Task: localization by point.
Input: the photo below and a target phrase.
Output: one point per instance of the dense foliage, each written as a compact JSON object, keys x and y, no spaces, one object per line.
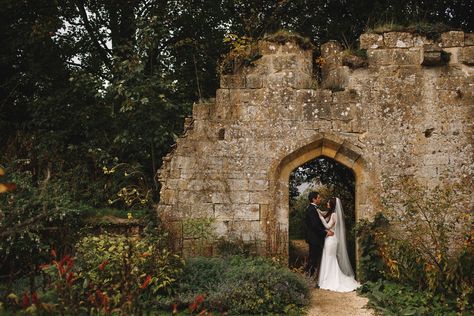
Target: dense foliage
{"x":121,"y":274}
{"x":393,"y":299}
{"x":240,"y":285}
{"x":425,"y":242}
{"x":92,"y":95}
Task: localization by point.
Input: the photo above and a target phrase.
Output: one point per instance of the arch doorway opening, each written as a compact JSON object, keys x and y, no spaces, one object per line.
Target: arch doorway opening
{"x":329,"y":178}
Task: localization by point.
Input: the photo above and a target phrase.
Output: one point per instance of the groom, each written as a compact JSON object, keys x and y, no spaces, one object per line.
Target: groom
{"x":315,"y":233}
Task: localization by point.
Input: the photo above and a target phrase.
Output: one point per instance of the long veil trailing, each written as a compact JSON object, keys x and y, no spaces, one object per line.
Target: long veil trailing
{"x":342,"y":256}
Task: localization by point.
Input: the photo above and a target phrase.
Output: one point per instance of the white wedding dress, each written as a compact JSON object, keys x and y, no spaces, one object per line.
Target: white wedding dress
{"x":331,"y":277}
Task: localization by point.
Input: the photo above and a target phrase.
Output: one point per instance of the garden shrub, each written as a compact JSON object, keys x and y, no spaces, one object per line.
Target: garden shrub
{"x":120,"y":265}
{"x":121,"y":275}
{"x":33,"y":219}
{"x":390,"y":298}
{"x":371,"y":265}
{"x":425,"y":242}
{"x":240,"y":285}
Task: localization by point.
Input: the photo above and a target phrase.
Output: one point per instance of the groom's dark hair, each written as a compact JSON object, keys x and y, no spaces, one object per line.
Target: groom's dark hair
{"x":312,"y":195}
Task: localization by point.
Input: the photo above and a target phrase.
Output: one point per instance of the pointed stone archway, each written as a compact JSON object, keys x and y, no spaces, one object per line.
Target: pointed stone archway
{"x":327,"y":145}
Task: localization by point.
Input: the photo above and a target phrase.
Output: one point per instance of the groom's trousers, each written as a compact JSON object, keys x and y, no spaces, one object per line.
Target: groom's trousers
{"x":314,"y":260}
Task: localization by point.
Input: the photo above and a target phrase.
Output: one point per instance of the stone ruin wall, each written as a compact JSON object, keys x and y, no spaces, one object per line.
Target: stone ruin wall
{"x":404,"y":113}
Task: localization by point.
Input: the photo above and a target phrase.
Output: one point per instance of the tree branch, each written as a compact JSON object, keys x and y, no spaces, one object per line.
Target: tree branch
{"x":100,"y":46}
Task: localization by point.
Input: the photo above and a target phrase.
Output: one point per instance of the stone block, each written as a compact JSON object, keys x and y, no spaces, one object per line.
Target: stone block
{"x":336,"y":79}
{"x":232,"y":212}
{"x":468,"y":39}
{"x":371,"y":41}
{"x":250,"y":231}
{"x":260,"y":197}
{"x":317,"y":110}
{"x":184,"y":162}
{"x":222,"y":97}
{"x":196,"y":185}
{"x":452,"y":55}
{"x":420,"y":41}
{"x":343,"y":96}
{"x":201,"y":110}
{"x":232,"y":81}
{"x":289,"y":79}
{"x":292,"y":48}
{"x":220,"y":197}
{"x":407,"y":56}
{"x":398,"y":39}
{"x":436,"y":159}
{"x":380,"y":57}
{"x":267,"y":48}
{"x":467,"y":55}
{"x":261,"y":66}
{"x":343,"y":111}
{"x":258,"y":185}
{"x":341,"y":126}
{"x":331,"y":48}
{"x":285,"y":62}
{"x":223,"y":212}
{"x":432,"y":55}
{"x":452,"y":39}
{"x":239,"y":196}
{"x":254,"y":81}
{"x":238,"y":184}
{"x":194,"y":197}
{"x":249,"y":212}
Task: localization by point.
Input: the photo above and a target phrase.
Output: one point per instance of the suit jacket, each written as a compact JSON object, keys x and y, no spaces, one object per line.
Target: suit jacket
{"x":315,"y":230}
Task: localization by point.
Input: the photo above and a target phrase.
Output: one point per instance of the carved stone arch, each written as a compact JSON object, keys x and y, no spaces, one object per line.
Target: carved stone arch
{"x":324,"y":144}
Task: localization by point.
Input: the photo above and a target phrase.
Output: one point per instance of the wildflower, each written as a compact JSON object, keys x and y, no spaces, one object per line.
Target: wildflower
{"x":103,"y":264}
{"x":104,"y":299}
{"x":26,"y":301}
{"x":129,"y":215}
{"x":197,"y":301}
{"x":146,"y":282}
{"x":70,"y":278}
{"x":44,"y":266}
{"x":34,"y":298}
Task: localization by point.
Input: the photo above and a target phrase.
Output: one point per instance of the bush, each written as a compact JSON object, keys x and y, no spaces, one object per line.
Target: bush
{"x":431,"y":234}
{"x":33,"y":219}
{"x":109,"y":274}
{"x":391,"y":298}
{"x":371,"y":265}
{"x":424,"y":241}
{"x":240,"y":285}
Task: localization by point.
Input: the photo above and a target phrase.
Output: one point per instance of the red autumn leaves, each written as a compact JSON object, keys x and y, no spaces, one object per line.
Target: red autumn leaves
{"x":103,"y":264}
{"x":29,"y":300}
{"x":64,"y":268}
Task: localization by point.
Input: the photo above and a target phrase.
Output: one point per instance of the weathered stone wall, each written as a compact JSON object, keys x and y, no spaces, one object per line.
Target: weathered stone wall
{"x":404,"y":113}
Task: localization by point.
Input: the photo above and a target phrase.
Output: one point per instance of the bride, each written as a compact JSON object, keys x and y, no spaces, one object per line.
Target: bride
{"x":336,"y":273}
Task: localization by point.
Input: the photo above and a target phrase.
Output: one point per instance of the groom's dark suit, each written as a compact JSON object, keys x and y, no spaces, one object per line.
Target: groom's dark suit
{"x":315,"y":236}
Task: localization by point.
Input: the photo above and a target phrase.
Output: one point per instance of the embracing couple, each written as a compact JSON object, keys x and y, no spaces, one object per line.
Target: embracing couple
{"x":326,"y":236}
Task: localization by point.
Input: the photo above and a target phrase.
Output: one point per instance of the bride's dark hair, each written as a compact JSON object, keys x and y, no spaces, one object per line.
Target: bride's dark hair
{"x":332,"y":204}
